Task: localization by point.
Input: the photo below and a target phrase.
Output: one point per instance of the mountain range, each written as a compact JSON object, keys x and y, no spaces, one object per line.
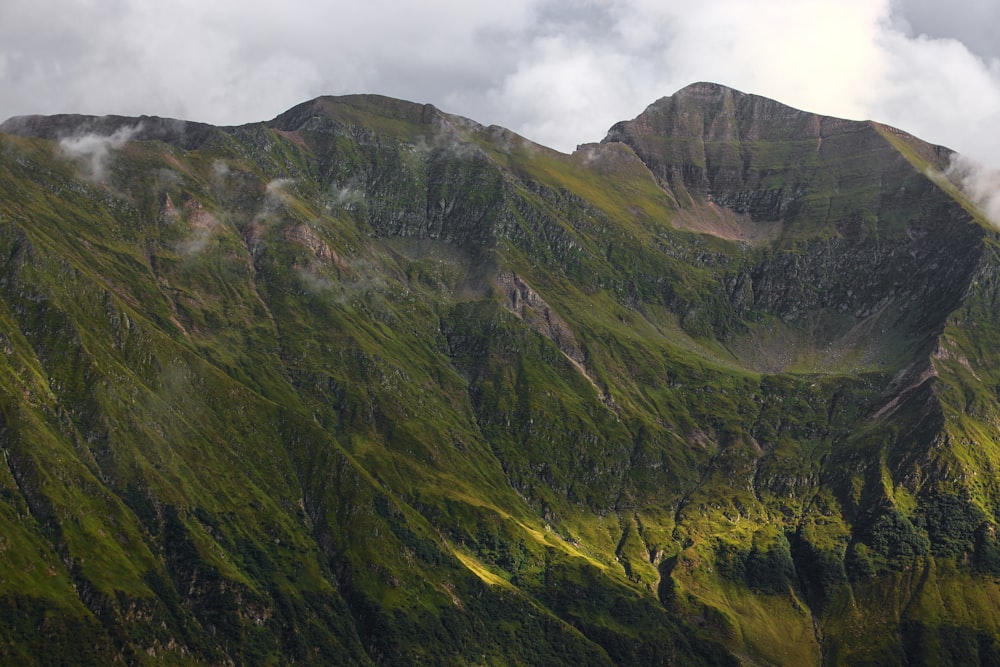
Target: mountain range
{"x":374,"y":384}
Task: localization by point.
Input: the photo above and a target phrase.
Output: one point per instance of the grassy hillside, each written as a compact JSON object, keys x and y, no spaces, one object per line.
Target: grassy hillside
{"x":374,"y":384}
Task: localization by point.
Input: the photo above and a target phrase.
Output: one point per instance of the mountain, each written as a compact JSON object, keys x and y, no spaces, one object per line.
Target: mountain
{"x":373,"y":384}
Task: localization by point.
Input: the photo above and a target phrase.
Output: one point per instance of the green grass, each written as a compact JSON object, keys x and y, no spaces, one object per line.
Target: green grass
{"x":296,"y":419}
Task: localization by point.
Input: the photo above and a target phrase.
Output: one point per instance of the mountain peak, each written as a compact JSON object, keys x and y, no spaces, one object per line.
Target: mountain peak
{"x":719,"y":113}
{"x":357,"y":108}
{"x":707,"y":89}
{"x":768,"y":161}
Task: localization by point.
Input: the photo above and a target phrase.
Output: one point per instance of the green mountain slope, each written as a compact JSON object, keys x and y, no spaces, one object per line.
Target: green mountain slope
{"x":373,"y":384}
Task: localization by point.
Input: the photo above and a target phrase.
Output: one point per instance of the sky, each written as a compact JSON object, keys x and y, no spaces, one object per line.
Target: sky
{"x":559,"y":72}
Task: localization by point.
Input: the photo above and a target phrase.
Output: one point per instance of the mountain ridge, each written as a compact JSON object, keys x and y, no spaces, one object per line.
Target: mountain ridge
{"x":376,"y":384}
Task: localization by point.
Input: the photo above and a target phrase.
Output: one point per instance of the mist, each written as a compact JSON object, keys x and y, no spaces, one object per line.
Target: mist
{"x":94,"y":150}
{"x":980,"y":183}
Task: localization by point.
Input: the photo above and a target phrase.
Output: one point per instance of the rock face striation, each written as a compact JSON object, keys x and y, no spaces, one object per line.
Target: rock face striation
{"x":371,"y":383}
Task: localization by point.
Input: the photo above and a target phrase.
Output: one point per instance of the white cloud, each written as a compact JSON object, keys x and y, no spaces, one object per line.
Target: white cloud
{"x":571,"y":85}
{"x":275,"y":196}
{"x":980,"y":184}
{"x":558,"y":71}
{"x":940,"y":91}
{"x":95,"y":149}
{"x":565,"y":94}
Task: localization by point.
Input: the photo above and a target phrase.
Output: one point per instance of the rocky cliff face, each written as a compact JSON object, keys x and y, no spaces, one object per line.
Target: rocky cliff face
{"x":374,"y":384}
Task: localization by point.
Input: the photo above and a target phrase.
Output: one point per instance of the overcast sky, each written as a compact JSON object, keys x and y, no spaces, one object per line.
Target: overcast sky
{"x":557,"y":71}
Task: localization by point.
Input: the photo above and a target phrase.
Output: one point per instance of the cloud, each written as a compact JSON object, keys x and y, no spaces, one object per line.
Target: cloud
{"x":275,"y":195}
{"x":203,"y":229}
{"x":973,"y":22}
{"x":220,"y":169}
{"x":571,"y":83}
{"x":347,"y":197}
{"x":557,"y":71}
{"x":940,"y":91}
{"x":313,"y":280}
{"x":276,"y":188}
{"x":979,"y":183}
{"x":849,"y":58}
{"x":231,"y":61}
{"x":357,"y":278}
{"x":562,"y":94}
{"x":95,"y":149}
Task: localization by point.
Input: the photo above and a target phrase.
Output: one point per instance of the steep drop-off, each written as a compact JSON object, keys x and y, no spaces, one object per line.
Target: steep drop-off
{"x":374,"y":384}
